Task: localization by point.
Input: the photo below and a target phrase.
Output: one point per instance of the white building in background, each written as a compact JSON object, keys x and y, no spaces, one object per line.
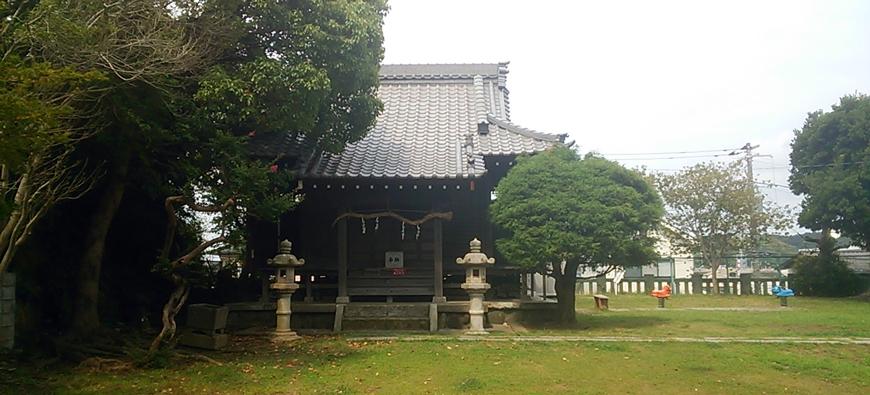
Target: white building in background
{"x":677,"y":266}
{"x":856,"y":259}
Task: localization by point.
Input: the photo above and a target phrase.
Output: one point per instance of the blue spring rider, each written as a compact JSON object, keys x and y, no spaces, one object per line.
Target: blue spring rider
{"x":782,"y":293}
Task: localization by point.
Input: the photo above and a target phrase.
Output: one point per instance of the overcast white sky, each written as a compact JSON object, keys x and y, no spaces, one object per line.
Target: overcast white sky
{"x":653,"y":76}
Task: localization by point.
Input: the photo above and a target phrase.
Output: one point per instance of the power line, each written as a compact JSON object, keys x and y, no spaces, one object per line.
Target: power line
{"x":816,"y":166}
{"x":679,"y":157}
{"x":672,"y":152}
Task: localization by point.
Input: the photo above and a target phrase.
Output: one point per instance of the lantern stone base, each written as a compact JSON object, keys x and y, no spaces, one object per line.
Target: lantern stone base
{"x":476,"y":309}
{"x":285,"y":337}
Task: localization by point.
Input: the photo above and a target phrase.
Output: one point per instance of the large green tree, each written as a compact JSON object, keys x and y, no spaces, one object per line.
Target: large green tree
{"x":40,"y":126}
{"x":830,"y":168}
{"x":152,"y":53}
{"x":564,"y":212}
{"x":189,"y":83}
{"x":714,"y":210}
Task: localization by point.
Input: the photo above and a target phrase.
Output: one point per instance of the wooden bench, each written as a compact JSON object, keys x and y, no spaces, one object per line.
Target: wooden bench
{"x":390,"y":283}
{"x":601,"y":302}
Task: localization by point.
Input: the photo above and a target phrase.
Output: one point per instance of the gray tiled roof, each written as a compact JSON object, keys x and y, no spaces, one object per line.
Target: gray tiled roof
{"x":428,"y":128}
{"x":441,"y":71}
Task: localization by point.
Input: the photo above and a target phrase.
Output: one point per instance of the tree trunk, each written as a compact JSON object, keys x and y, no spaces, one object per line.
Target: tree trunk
{"x":171,"y":309}
{"x":566,"y":283}
{"x":86,"y":316}
{"x":182,"y":287}
{"x":714,"y":264}
{"x":13,"y":226}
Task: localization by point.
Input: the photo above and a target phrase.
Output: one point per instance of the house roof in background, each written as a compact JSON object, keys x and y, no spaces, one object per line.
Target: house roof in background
{"x":429,"y":127}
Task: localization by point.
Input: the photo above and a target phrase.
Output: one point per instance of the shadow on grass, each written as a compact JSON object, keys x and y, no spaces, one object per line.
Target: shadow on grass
{"x":244,"y":360}
{"x":622,"y":321}
{"x":601,"y":322}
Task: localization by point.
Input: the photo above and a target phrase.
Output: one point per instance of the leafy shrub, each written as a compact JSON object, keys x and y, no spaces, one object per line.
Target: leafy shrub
{"x":825,"y":276}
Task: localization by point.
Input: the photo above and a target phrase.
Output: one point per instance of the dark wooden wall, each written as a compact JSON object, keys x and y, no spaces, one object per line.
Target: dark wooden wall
{"x":311,"y":225}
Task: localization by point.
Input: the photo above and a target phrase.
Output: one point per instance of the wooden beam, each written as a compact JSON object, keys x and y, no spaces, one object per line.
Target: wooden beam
{"x":438,"y":247}
{"x":342,"y":262}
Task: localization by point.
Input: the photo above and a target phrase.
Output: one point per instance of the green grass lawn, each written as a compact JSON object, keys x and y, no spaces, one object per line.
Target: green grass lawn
{"x":637,"y":315}
{"x":334,"y":365}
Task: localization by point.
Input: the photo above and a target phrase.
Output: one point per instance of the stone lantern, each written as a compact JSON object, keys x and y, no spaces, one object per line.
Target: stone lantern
{"x":475,"y":284}
{"x":285,"y":265}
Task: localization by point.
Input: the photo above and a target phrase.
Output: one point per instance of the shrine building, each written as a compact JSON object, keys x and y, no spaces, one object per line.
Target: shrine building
{"x":383,"y":221}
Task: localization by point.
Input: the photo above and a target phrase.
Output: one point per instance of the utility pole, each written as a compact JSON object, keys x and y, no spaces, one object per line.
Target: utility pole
{"x":747,"y":152}
{"x":750,"y":177}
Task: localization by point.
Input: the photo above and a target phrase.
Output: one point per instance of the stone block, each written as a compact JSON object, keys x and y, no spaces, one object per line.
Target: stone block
{"x":339,"y":317}
{"x":648,"y":283}
{"x":433,"y":317}
{"x":454,"y":320}
{"x":496,"y":317}
{"x":207,"y":317}
{"x":387,"y":324}
{"x":7,"y":319}
{"x":8,"y":280}
{"x":745,"y":284}
{"x":202,"y":340}
{"x":7,"y":293}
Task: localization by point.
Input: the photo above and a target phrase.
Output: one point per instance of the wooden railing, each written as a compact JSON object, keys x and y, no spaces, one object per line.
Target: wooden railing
{"x":687,"y":286}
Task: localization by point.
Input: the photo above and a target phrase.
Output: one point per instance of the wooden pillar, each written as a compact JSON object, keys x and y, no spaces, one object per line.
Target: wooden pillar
{"x":438,"y":252}
{"x":342,"y":262}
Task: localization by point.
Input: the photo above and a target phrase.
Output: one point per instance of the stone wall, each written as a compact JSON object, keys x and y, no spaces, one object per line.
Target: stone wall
{"x":696,"y":285}
{"x":7,"y":311}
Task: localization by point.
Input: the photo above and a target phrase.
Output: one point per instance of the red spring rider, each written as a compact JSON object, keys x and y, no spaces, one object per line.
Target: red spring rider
{"x":662,"y":294}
